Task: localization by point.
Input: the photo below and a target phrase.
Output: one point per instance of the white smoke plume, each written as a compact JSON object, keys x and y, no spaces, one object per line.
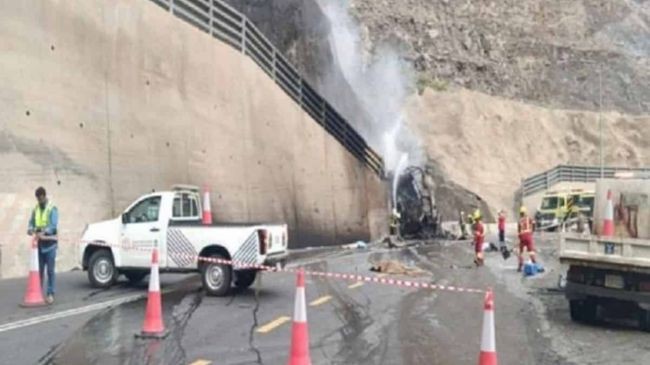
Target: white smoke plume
{"x":382,"y":82}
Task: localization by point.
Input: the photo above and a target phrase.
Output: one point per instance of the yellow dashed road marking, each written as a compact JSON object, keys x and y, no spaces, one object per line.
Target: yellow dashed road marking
{"x":273,"y":324}
{"x":321,"y":300}
{"x":201,"y":362}
{"x":355,"y":285}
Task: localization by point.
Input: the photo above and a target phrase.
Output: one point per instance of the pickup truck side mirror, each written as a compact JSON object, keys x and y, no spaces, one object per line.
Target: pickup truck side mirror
{"x":124,"y":219}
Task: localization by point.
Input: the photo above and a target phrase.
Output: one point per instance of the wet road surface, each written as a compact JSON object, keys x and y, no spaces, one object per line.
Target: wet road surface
{"x":349,"y":322}
{"x":22,"y":342}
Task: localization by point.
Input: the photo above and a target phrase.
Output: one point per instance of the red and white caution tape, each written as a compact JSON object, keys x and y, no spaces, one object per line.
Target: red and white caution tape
{"x":332,"y":275}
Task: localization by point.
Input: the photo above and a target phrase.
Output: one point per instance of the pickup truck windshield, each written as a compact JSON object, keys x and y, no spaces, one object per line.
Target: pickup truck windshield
{"x":145,"y":211}
{"x":586,"y":202}
{"x":549,"y":202}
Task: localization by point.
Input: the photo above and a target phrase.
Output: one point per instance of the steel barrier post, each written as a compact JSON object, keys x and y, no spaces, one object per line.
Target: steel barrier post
{"x":211,"y":17}
{"x":243,"y":35}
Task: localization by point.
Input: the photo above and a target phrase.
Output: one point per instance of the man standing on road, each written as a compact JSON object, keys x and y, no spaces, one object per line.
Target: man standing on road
{"x":525,"y":230}
{"x":479,"y":238}
{"x":43,"y":226}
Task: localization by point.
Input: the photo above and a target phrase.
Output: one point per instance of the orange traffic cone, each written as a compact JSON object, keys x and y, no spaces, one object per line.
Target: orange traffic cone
{"x":488,"y":354}
{"x":299,"y":354}
{"x":608,"y":220}
{"x":153,"y":326}
{"x":207,"y":211}
{"x":34,"y":292}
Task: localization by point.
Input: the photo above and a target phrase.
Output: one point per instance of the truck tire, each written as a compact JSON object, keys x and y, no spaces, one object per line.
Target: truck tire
{"x":585,"y":311}
{"x":575,"y":308}
{"x":135,"y":276}
{"x":102,"y":273}
{"x":216,"y":278}
{"x":644,"y":320}
{"x":245,"y":278}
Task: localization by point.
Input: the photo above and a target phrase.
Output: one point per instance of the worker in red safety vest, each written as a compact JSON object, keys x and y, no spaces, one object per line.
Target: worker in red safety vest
{"x":479,"y":238}
{"x":502,"y":228}
{"x":525,"y":230}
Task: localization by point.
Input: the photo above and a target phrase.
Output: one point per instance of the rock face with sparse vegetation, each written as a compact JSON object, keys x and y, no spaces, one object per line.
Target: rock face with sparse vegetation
{"x":549,"y":52}
{"x":503,"y":89}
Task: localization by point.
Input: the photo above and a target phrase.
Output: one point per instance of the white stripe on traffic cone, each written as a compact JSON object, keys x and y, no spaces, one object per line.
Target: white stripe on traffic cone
{"x":608,"y":221}
{"x":488,"y":354}
{"x":153,"y":326}
{"x":207,"y":210}
{"x":34,"y":291}
{"x":299,"y":354}
{"x":154,"y":275}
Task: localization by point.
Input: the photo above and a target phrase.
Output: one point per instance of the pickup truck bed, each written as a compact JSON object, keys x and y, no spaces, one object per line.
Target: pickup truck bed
{"x":173,"y":223}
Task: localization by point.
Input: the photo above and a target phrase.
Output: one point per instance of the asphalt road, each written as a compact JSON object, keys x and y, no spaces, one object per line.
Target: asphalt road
{"x":349,"y":323}
{"x":31,"y":335}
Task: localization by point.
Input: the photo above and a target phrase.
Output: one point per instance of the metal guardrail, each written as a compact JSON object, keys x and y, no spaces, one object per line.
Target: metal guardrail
{"x":572,"y":173}
{"x":223,"y":22}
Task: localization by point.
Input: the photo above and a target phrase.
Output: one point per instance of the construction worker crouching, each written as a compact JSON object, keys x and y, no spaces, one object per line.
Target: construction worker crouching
{"x":479,"y":238}
{"x":525,"y":230}
{"x":43,"y":226}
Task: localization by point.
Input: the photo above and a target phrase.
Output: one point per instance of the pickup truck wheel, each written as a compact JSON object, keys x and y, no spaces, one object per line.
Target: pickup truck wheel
{"x":135,"y":277}
{"x":245,"y":278}
{"x":575,"y":307}
{"x":644,"y":320}
{"x":216,"y":278}
{"x":585,"y":311}
{"x":590,"y":311}
{"x":101,"y":269}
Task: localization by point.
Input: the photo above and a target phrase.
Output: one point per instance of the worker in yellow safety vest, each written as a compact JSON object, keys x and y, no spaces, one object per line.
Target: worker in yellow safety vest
{"x":43,"y":225}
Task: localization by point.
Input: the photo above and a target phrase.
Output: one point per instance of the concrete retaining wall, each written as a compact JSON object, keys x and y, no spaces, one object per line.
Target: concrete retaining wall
{"x":102,"y":100}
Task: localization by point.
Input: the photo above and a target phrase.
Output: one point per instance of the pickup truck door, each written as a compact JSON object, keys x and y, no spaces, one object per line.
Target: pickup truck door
{"x":180,"y":250}
{"x":141,"y":232}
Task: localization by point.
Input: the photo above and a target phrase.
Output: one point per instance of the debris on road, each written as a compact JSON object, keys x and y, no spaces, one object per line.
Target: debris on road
{"x":393,"y":267}
{"x":359,"y":245}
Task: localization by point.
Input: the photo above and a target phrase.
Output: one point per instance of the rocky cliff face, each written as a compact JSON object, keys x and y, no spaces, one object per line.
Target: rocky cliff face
{"x":506,"y":88}
{"x":553,"y":52}
{"x":488,"y":144}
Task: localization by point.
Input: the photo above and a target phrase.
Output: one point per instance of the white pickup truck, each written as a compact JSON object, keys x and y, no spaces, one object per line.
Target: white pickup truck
{"x":171,"y":220}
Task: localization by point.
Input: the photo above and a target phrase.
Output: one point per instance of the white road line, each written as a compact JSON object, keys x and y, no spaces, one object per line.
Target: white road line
{"x":321,"y":300}
{"x":201,"y":362}
{"x":355,"y":285}
{"x":70,"y":312}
